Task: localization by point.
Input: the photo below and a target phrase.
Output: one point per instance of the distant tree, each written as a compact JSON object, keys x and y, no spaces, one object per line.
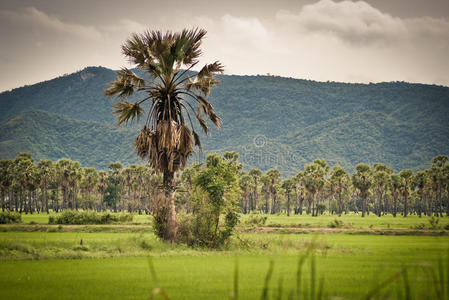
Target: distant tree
{"x":314,"y":178}
{"x":266,"y":191}
{"x":274,"y":176}
{"x":362,"y":181}
{"x":340,"y":181}
{"x":5,"y":183}
{"x":46,"y":170}
{"x":407,"y":179}
{"x":288,"y":186}
{"x":300,"y":192}
{"x":396,"y":184}
{"x":420,"y":182}
{"x":438,"y":183}
{"x":166,"y":140}
{"x":255,"y":174}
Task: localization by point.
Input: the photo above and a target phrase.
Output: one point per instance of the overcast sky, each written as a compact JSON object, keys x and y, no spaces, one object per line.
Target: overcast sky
{"x":350,"y":41}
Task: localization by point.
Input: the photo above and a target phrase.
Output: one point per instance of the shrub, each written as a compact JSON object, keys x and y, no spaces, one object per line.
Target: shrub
{"x":8,"y":217}
{"x":71,"y":217}
{"x":434,"y":222}
{"x":419,"y":226}
{"x":256,"y":220}
{"x":336,"y":224}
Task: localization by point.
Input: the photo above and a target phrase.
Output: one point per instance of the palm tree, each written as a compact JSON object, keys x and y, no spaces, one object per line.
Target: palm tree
{"x":396,"y":183}
{"x":266,"y":190}
{"x":407,"y":179}
{"x":438,"y":163}
{"x":47,"y":173}
{"x":362,"y":180}
{"x":339,"y":180}
{"x":288,"y":185}
{"x":274,"y":176}
{"x":245,"y":186}
{"x":314,"y":180}
{"x":5,"y":182}
{"x":168,"y":136}
{"x":255,"y":174}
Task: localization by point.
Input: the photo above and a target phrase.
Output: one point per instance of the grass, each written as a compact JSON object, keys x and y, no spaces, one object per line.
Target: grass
{"x":198,"y":274}
{"x":351,"y":220}
{"x":42,"y":218}
{"x":111,"y":261}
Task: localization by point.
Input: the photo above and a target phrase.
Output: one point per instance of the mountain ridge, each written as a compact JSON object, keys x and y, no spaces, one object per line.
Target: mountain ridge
{"x":308,"y":118}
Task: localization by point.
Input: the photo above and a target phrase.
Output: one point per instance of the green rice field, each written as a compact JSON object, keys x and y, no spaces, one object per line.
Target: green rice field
{"x":66,"y":263}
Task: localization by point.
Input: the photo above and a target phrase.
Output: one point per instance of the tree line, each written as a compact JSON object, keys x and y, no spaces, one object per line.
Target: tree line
{"x":28,"y":186}
{"x":370,"y":189}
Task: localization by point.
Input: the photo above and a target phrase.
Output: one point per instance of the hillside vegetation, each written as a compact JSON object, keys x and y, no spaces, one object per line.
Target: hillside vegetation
{"x":270,"y":121}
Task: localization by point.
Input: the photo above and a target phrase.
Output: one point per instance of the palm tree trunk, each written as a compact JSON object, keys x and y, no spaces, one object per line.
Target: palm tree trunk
{"x":405,"y":205}
{"x":169,"y":190}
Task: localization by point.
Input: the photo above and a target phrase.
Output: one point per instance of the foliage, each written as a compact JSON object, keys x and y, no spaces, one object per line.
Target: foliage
{"x":7,"y":217}
{"x":70,"y":217}
{"x":214,"y":204}
{"x":336,"y":223}
{"x":256,"y":220}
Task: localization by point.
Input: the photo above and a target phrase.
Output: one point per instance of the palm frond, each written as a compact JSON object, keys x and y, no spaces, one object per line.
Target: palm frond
{"x":211,"y":69}
{"x":127,"y":111}
{"x":125,"y":84}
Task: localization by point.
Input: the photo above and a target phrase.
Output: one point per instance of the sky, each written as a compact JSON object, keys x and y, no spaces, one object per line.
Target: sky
{"x":347,"y":41}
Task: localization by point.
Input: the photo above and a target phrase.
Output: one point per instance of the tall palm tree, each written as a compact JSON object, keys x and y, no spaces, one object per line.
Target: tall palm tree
{"x":288,"y":185}
{"x":407,"y":176}
{"x":339,"y":180}
{"x":362,"y":180}
{"x":46,"y":171}
{"x":168,"y":136}
{"x":255,"y":174}
{"x":274,"y":176}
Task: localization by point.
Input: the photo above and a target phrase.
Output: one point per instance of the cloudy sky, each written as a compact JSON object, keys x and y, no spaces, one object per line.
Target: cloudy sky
{"x":350,"y":41}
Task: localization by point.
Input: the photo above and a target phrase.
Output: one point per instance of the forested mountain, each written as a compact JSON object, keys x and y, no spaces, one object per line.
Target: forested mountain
{"x":271,"y":121}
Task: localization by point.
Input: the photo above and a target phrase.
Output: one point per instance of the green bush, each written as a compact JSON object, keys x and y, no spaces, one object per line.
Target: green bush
{"x":256,"y":220}
{"x":433,"y":222}
{"x":71,"y":217}
{"x":7,"y":217}
{"x":336,"y":224}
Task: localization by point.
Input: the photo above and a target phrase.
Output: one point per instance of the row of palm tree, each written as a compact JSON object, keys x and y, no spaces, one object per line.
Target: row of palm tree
{"x":28,"y":187}
{"x":377,"y":189}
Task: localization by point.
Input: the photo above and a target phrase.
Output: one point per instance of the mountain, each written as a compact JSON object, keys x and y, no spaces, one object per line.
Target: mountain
{"x":50,"y":136}
{"x":273,"y":122}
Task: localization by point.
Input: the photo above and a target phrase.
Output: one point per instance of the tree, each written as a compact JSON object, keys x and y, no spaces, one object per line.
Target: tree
{"x":274,"y":176}
{"x":438,"y":181}
{"x":288,"y":186}
{"x":381,"y":178}
{"x":113,"y":188}
{"x":339,"y":180}
{"x":266,"y":191}
{"x":5,"y":182}
{"x":255,"y":174}
{"x":166,"y":139}
{"x":362,"y":181}
{"x":245,"y":186}
{"x":47,"y":175}
{"x":396,"y":183}
{"x":314,"y":178}
{"x":407,"y":179}
{"x":421,"y":183}
{"x":216,"y":198}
